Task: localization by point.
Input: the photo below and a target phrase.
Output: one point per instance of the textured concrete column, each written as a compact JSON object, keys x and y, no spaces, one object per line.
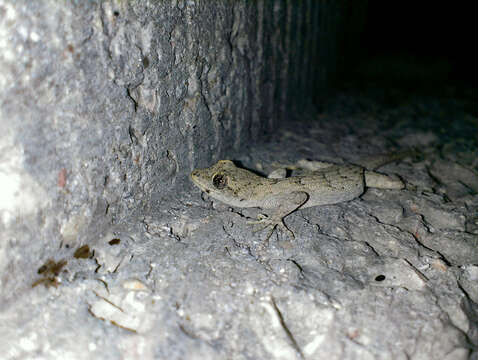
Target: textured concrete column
{"x":107,"y":106}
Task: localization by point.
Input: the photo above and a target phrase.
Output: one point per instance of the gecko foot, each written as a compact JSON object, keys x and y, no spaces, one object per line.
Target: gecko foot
{"x":274,"y":223}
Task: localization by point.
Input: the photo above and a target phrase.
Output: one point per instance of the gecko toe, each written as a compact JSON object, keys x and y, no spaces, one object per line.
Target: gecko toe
{"x":266,"y":222}
{"x":285,"y":229}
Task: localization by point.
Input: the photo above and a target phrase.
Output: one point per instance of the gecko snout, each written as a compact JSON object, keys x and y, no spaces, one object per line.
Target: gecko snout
{"x":195,"y":173}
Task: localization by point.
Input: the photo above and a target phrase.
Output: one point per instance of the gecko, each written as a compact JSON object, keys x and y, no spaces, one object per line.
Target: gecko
{"x":321,"y":183}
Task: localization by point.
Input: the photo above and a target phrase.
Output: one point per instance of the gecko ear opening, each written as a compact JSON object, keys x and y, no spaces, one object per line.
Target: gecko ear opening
{"x":219,"y":181}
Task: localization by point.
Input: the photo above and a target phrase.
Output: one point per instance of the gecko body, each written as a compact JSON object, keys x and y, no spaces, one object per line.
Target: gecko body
{"x":322,"y":184}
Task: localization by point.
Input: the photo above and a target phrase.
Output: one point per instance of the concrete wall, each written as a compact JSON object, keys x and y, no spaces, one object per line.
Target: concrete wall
{"x":108,"y":105}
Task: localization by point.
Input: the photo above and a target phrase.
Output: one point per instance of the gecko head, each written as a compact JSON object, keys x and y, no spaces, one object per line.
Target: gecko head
{"x":218,"y":180}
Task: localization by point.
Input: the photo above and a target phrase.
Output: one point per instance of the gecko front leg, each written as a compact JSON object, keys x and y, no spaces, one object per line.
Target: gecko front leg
{"x":282,"y":205}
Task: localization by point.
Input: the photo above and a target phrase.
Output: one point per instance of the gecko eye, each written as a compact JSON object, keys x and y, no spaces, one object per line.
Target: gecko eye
{"x":219,"y":181}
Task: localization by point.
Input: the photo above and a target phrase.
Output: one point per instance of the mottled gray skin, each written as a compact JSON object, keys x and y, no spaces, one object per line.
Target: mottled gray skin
{"x":324,"y":184}
{"x":238,"y":187}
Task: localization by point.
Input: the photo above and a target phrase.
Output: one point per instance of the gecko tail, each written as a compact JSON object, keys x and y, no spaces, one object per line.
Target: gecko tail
{"x":376,"y":161}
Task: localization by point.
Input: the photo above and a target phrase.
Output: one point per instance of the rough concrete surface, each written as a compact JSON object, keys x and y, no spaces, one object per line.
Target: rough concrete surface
{"x":107,"y":106}
{"x":392,"y":274}
{"x":107,"y":250}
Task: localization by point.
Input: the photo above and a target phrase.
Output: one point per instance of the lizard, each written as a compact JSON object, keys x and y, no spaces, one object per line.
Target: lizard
{"x":322,"y":183}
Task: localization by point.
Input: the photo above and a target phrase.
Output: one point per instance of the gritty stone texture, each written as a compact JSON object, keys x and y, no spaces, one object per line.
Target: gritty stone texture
{"x":110,"y":105}
{"x":107,"y":106}
{"x":368,"y":278}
